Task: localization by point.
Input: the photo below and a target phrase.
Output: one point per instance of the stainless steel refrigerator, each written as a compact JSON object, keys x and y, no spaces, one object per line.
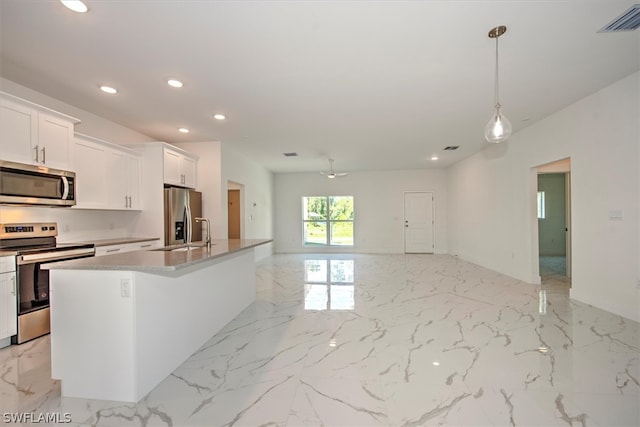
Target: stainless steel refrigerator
{"x":181,"y":206}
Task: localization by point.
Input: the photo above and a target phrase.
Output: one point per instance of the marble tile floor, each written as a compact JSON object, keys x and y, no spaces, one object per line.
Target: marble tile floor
{"x":368,"y":340}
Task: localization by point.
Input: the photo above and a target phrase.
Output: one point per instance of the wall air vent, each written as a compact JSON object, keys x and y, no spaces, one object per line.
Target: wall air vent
{"x":628,"y":21}
{"x":290,"y":154}
{"x":451,"y":147}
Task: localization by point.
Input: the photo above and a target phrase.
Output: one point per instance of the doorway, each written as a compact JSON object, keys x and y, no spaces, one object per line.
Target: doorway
{"x":234,"y":210}
{"x":418,"y":222}
{"x":554,"y":222}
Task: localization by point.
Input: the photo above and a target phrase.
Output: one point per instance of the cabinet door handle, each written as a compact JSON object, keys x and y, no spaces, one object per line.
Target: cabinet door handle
{"x":146,"y":246}
{"x":113,"y":250}
{"x":13,"y":280}
{"x":37,"y":160}
{"x":130,"y":201}
{"x":44,"y":159}
{"x":126,"y":202}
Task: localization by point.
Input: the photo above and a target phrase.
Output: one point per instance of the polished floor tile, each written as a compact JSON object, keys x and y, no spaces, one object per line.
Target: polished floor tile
{"x":369,"y":340}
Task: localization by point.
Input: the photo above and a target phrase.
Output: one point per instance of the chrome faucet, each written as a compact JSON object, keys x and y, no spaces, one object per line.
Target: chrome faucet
{"x":208,"y":238}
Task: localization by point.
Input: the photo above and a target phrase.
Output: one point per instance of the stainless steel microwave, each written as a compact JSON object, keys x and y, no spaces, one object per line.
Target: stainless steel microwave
{"x":22,"y":184}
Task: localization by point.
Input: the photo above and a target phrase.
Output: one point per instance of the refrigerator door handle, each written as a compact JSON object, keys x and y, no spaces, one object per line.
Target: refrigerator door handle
{"x":187,"y":224}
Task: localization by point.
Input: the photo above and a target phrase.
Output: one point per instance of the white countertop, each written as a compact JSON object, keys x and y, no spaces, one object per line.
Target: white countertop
{"x":159,"y":261}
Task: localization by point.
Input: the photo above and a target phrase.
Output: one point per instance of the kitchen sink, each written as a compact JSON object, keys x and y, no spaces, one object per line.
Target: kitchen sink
{"x":182,"y":248}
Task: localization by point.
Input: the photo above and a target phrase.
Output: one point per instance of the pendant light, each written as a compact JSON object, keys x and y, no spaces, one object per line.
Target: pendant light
{"x":499,"y":127}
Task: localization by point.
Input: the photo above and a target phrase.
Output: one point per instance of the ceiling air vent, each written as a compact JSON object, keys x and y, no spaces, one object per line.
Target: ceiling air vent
{"x":290,"y":154}
{"x":451,"y":147}
{"x":628,"y":21}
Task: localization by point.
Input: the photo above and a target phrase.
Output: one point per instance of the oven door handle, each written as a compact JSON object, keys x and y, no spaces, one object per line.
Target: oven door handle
{"x":54,"y":256}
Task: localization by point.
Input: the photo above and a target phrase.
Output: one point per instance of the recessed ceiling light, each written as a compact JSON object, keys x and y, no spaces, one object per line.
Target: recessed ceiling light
{"x":174,"y":83}
{"x":219,"y":116}
{"x":434,"y":158}
{"x":75,"y":5}
{"x":183,"y":130}
{"x":108,"y":89}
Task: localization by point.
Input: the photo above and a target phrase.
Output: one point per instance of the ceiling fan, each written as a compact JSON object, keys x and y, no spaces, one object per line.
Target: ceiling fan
{"x":333,"y":174}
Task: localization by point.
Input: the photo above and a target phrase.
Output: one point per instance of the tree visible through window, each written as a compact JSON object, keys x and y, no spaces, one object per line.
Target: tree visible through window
{"x":327,"y":220}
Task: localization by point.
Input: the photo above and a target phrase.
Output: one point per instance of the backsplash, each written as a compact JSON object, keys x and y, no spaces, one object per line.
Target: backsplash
{"x":76,"y":225}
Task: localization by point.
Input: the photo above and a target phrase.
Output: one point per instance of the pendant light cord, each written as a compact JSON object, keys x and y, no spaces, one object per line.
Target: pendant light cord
{"x":497,"y":75}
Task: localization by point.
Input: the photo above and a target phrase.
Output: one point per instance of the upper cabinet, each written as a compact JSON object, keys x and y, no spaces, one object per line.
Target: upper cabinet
{"x":90,"y":165}
{"x":123,"y":175}
{"x":32,"y":134}
{"x":107,"y":175}
{"x":179,"y":167}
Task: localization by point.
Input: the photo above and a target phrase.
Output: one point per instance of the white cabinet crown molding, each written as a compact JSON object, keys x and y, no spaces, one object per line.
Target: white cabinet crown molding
{"x":121,"y":147}
{"x":39,"y":107}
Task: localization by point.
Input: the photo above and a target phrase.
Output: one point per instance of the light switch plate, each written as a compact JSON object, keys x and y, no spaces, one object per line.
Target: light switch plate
{"x":615,"y":215}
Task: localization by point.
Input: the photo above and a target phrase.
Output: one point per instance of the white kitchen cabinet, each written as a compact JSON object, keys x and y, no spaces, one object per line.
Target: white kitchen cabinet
{"x":133,"y":181}
{"x":127,"y":247}
{"x":18,"y":131}
{"x":124,"y":180}
{"x":89,"y":163}
{"x":107,"y":175}
{"x":179,"y":168}
{"x":33,"y":134}
{"x":8,"y":298}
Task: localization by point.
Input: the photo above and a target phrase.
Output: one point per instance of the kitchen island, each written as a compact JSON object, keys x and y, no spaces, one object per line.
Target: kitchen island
{"x":121,"y":323}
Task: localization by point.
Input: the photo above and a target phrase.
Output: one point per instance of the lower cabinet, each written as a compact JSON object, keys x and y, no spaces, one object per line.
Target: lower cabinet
{"x":127,"y":247}
{"x":8,"y":298}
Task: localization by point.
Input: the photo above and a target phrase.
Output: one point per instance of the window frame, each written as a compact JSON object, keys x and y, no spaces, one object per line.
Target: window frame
{"x":541,"y":205}
{"x":328,"y":222}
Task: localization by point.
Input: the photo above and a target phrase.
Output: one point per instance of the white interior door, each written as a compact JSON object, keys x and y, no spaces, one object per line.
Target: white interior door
{"x":418,"y":222}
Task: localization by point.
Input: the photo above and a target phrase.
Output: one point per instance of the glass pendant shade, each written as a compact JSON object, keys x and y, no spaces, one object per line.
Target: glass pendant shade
{"x":498,"y":129}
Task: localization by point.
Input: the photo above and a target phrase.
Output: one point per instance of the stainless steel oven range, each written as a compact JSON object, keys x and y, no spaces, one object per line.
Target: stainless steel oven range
{"x":35,"y":244}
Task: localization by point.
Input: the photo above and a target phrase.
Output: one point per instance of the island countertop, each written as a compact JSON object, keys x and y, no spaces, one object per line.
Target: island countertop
{"x":120,"y":241}
{"x":161,"y":260}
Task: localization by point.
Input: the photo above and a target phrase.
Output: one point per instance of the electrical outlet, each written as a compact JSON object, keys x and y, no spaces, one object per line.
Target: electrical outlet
{"x":125,"y":288}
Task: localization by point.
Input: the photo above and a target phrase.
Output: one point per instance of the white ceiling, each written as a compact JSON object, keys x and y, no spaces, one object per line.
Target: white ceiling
{"x":372,"y":84}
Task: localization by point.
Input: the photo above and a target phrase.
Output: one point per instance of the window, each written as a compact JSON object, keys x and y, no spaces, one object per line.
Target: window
{"x":327,"y":220}
{"x":541,"y":207}
{"x":329,"y":284}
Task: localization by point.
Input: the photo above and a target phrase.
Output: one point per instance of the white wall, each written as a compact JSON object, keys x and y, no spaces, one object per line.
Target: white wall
{"x":257,"y":197}
{"x":378,"y":201}
{"x":77,"y":225}
{"x":492,"y":215}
